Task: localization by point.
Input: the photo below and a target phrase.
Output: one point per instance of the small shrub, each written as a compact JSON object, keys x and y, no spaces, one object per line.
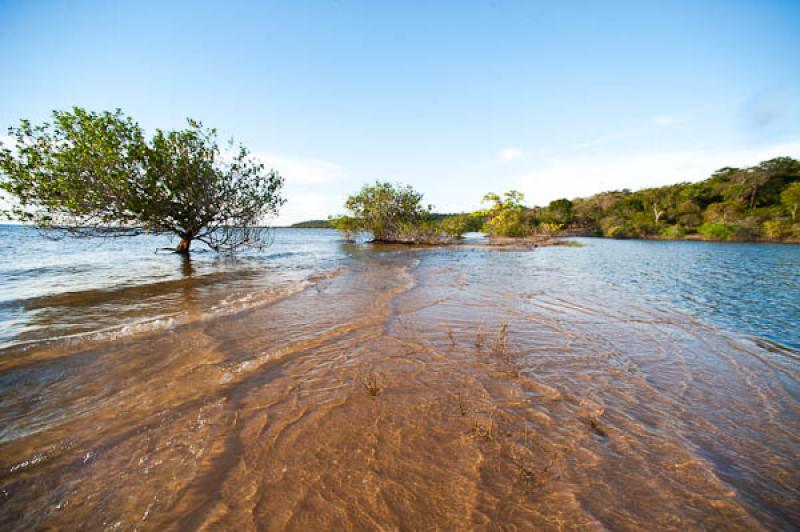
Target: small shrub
{"x":550,"y":229}
{"x":718,"y":231}
{"x":420,"y":232}
{"x":505,"y":215}
{"x":347,"y":225}
{"x":673,"y":231}
{"x":774,"y":229}
{"x":455,"y":226}
{"x":615,"y":231}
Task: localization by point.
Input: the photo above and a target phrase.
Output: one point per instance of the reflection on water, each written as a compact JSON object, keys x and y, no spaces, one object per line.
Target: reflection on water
{"x":621,"y":385}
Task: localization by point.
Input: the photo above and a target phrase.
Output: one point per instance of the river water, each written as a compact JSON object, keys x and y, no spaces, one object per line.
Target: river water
{"x":322,"y":384}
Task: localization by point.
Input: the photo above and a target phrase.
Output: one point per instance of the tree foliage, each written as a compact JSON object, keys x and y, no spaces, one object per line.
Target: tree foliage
{"x":91,"y":174}
{"x":760,"y":202}
{"x":347,"y":225}
{"x":385,"y":210}
{"x":395,"y":213}
{"x":734,"y":203}
{"x":504,"y":217}
{"x":791,"y":199}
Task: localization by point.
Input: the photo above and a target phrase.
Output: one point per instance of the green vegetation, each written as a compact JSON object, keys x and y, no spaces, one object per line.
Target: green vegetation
{"x":347,"y":225}
{"x":92,"y":174}
{"x":313,"y":224}
{"x":394,"y":213}
{"x":505,"y":215}
{"x":760,"y":202}
{"x":791,"y":199}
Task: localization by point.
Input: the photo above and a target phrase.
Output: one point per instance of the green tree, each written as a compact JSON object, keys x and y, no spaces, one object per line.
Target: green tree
{"x":790,"y":197}
{"x":689,"y":213}
{"x":456,"y":225}
{"x":92,"y":174}
{"x":347,"y":225}
{"x":387,"y":210}
{"x":559,"y":212}
{"x":504,"y":216}
{"x":747,"y":184}
{"x":723,"y":212}
{"x":774,"y":229}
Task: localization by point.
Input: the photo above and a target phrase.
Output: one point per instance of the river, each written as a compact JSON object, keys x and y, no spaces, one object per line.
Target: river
{"x":323,"y":384}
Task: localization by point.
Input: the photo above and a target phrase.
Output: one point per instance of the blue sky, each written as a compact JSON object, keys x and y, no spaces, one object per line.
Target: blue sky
{"x":456,"y":98}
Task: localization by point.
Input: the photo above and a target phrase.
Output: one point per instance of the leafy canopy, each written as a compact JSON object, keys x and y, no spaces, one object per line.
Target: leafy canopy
{"x":504,"y":215}
{"x":386,"y":210}
{"x":93,"y":174}
{"x":790,"y":197}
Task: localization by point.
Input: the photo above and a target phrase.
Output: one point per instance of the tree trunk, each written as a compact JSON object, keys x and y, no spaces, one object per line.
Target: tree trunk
{"x":183,"y":245}
{"x":794,"y":213}
{"x":657,"y":213}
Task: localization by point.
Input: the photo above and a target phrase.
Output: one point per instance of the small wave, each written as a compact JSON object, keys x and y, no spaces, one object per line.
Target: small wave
{"x":232,"y":304}
{"x":40,"y":271}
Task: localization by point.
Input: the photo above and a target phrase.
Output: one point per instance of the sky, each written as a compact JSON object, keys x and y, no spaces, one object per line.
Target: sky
{"x":555,"y":99}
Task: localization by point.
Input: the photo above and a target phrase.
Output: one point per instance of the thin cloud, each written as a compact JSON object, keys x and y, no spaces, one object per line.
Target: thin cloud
{"x":509,"y":154}
{"x":312,"y":186}
{"x":666,"y":121}
{"x":301,"y":170}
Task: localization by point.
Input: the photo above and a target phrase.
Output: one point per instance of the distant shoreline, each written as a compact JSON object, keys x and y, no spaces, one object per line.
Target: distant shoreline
{"x":586,"y":234}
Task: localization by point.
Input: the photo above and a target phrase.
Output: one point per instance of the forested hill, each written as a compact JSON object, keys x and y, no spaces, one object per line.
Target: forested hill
{"x":759,"y":202}
{"x":312,"y":224}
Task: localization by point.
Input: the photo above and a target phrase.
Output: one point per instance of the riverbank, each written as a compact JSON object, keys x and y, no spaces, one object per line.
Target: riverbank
{"x":692,"y":237}
{"x":484,"y":242}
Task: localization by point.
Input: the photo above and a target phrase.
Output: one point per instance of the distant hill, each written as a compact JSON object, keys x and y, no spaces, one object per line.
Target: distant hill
{"x":313,"y":224}
{"x":755,"y":203}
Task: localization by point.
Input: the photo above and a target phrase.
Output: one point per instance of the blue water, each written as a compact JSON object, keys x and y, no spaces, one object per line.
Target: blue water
{"x":751,"y":288}
{"x":71,"y":287}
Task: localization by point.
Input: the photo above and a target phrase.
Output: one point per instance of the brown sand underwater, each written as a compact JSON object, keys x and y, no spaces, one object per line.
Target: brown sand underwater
{"x":410,"y":391}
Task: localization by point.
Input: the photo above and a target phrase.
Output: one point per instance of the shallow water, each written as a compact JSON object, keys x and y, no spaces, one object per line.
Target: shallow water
{"x":620,"y":385}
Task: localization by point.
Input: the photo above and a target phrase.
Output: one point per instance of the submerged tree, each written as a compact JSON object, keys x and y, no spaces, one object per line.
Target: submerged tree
{"x":390,"y":212}
{"x":347,"y":225}
{"x":92,"y":174}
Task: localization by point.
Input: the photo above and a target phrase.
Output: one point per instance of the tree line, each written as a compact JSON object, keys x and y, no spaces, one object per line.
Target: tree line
{"x":88,"y":174}
{"x":758,"y":202}
{"x":754,"y":203}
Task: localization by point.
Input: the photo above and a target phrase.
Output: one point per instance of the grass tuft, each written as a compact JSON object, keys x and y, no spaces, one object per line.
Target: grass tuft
{"x":373,"y":383}
{"x":506,"y":356}
{"x":450,"y":336}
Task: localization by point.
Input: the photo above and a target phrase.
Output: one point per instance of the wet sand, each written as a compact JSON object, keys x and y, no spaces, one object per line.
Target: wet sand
{"x":428,"y":389}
